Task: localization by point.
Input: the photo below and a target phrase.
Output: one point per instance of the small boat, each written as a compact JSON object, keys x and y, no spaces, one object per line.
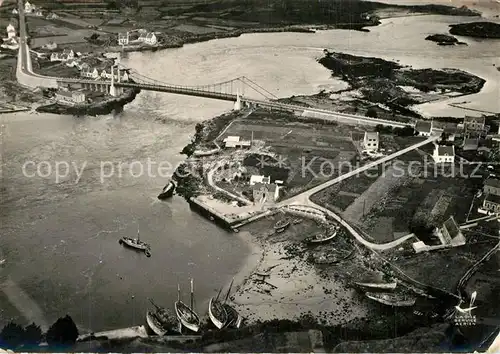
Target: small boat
{"x":136,"y":243}
{"x":376,"y":286}
{"x":392,"y":299}
{"x":186,"y":315}
{"x":296,"y":221}
{"x":281,"y":225}
{"x":234,"y":319}
{"x":217,"y":312}
{"x":321,"y":238}
{"x":2,"y":262}
{"x":160,"y":321}
{"x":167,"y":191}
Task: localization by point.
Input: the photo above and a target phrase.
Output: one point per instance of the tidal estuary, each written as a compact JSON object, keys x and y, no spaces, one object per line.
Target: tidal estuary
{"x":60,"y":240}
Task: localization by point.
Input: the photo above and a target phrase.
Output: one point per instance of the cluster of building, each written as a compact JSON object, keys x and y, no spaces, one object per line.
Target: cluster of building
{"x":68,"y":57}
{"x":70,"y":97}
{"x":10,"y":42}
{"x":449,"y":235}
{"x":145,"y":37}
{"x":263,"y":191}
{"x":472,"y":130}
{"x":32,"y":9}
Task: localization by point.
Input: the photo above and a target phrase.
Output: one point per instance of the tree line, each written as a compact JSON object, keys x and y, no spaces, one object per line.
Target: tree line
{"x":62,"y":334}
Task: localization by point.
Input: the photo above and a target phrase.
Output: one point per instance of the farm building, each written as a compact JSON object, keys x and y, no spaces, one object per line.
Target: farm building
{"x":444,"y":154}
{"x":371,"y":141}
{"x":423,"y":128}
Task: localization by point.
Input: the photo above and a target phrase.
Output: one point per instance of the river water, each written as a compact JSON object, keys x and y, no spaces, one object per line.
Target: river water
{"x":60,"y":239}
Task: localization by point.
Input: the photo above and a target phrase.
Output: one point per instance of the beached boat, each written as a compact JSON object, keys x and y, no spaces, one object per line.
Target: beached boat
{"x":281,"y":225}
{"x":186,"y":315}
{"x":392,"y":299}
{"x":2,"y":262}
{"x":234,"y":319}
{"x":167,"y":191}
{"x":376,"y":286}
{"x":321,"y":238}
{"x":161,"y":321}
{"x":217,"y":312}
{"x":136,"y":243}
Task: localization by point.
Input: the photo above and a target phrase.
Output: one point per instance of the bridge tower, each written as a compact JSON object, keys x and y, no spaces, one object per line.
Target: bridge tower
{"x":112,"y":88}
{"x":237,"y":104}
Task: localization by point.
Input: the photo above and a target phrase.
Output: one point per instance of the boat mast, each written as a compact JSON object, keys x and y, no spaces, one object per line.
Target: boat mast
{"x":192,"y":294}
{"x":218,"y":294}
{"x":228,"y":291}
{"x":178,"y":292}
{"x":137,"y":232}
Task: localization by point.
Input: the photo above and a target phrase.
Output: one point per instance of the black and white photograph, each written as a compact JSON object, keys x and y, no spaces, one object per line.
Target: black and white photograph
{"x":250,"y":176}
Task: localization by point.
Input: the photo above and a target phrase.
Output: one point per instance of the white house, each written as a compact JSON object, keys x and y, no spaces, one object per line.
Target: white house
{"x":28,"y":8}
{"x":69,"y":53}
{"x":70,"y":97}
{"x":123,"y":38}
{"x":142,"y":37}
{"x":444,"y":153}
{"x":151,"y":39}
{"x":424,"y":128}
{"x":14,"y":11}
{"x":89,"y":73}
{"x":11,"y":31}
{"x":10,"y":43}
{"x":254,"y":179}
{"x":262,"y":193}
{"x":39,"y":13}
{"x":371,"y":141}
{"x":52,"y":16}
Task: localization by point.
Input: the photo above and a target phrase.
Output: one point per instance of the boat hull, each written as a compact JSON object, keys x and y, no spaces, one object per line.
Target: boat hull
{"x":377,"y":286}
{"x":131,"y":244}
{"x":218,"y":321}
{"x":167,"y":192}
{"x":391,"y":301}
{"x":235,"y":320}
{"x":154,"y":325}
{"x":313,"y":241}
{"x":181,"y":310}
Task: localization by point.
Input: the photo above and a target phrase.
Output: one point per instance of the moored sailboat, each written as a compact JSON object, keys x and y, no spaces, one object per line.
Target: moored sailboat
{"x":391,"y":299}
{"x":186,"y":315}
{"x":136,"y":243}
{"x":217,"y":312}
{"x":234,"y":319}
{"x":161,"y":321}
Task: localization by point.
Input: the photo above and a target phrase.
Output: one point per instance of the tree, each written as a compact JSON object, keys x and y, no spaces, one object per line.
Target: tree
{"x":371,"y":112}
{"x":62,"y":333}
{"x":11,"y":336}
{"x":32,"y":335}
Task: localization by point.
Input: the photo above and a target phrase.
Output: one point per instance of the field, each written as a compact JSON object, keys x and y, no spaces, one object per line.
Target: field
{"x":419,"y":199}
{"x":305,"y":153}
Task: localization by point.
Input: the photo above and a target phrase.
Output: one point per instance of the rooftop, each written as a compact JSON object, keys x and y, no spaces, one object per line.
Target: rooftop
{"x":451,"y":226}
{"x":493,"y":198}
{"x":371,"y":135}
{"x":423,"y":126}
{"x":481,"y":120}
{"x":445,"y":150}
{"x":492,"y":182}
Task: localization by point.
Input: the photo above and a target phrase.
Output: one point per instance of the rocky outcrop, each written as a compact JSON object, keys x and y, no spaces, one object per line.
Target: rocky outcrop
{"x":98,"y":108}
{"x":476,"y":29}
{"x":443,"y":39}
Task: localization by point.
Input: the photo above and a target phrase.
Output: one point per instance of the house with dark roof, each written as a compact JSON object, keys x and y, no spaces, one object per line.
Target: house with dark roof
{"x":444,"y":153}
{"x":491,"y":203}
{"x":470,"y":144}
{"x":423,"y":128}
{"x":123,"y":38}
{"x":492,"y":186}
{"x":474,"y":124}
{"x":450,"y":233}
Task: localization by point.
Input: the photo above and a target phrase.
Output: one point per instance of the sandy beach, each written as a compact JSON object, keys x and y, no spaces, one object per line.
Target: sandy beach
{"x":293,"y":288}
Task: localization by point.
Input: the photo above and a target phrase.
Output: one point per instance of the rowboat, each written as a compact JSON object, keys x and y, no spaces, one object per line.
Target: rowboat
{"x":377,"y":286}
{"x":281,"y":225}
{"x":320,"y":238}
{"x":167,"y":191}
{"x":186,"y":314}
{"x":392,"y":299}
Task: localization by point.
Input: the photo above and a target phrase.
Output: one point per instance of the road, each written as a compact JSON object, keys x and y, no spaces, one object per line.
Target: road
{"x":304,"y":198}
